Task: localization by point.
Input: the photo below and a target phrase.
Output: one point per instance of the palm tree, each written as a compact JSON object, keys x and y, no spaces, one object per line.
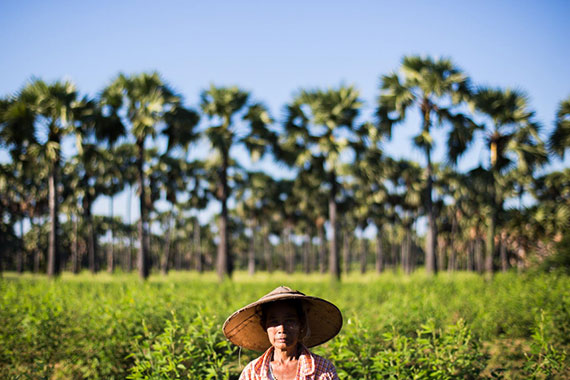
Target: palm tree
{"x":319,"y":127}
{"x":175,"y":171}
{"x":306,"y":195}
{"x":222,"y":104}
{"x":513,"y":141}
{"x":455,"y":189}
{"x":83,"y":172}
{"x":365,"y":190}
{"x":255,"y":200}
{"x":125,"y":158}
{"x":94,"y":166}
{"x":552,"y":212}
{"x":411,"y":182}
{"x":560,"y":137}
{"x":112,"y":183}
{"x":371,"y":171}
{"x":42,"y":109}
{"x":172,"y":177}
{"x":14,"y":200}
{"x":17,"y":135}
{"x":436,"y":88}
{"x":24,"y":179}
{"x":147,"y":102}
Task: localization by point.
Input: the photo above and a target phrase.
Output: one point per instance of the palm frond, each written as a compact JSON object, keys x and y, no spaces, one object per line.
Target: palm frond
{"x":559,"y":140}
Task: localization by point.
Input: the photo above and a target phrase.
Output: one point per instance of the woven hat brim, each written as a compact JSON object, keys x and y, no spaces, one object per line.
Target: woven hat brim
{"x":243,"y":328}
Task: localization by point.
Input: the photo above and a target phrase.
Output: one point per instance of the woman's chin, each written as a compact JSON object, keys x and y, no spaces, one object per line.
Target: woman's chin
{"x":282,"y":345}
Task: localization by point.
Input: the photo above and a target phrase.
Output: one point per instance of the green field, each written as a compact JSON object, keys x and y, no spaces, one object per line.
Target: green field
{"x":457,"y":325}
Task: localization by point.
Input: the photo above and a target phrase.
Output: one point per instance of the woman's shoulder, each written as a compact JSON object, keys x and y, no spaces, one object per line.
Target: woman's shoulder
{"x":320,"y":367}
{"x":322,"y":363}
{"x":252,"y":369}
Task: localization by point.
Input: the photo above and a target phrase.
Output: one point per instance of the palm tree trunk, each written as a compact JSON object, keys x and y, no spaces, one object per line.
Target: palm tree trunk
{"x":143,"y":257}
{"x":111,"y":248}
{"x":408,"y":263}
{"x":20,"y":258}
{"x":322,"y":250}
{"x":363,"y":254}
{"x":251,"y":253}
{"x":491,"y":228}
{"x":334,"y":266}
{"x":223,"y":259}
{"x":178,"y":257}
{"x":394,"y":250}
{"x":167,"y":245}
{"x":75,"y":250}
{"x":379,"y":250}
{"x":478,"y":255}
{"x":404,"y":251}
{"x":306,"y":254}
{"x":37,"y":252}
{"x":122,"y":253}
{"x":490,"y":246}
{"x":130,"y":223}
{"x":491,"y":231}
{"x":88,"y":220}
{"x":267,"y":250}
{"x":346,"y":252}
{"x":1,"y":263}
{"x":289,"y":251}
{"x":492,"y":216}
{"x":503,"y":250}
{"x":441,"y":249}
{"x":431,"y":239}
{"x":198,"y":247}
{"x":53,"y":264}
{"x":453,"y":246}
{"x":469,"y":260}
{"x":314,"y":257}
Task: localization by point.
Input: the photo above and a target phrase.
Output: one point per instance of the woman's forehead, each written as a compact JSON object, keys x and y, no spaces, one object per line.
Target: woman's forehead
{"x":281,"y":308}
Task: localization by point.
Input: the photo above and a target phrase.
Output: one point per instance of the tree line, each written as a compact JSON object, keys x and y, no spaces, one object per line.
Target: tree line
{"x":137,"y":134}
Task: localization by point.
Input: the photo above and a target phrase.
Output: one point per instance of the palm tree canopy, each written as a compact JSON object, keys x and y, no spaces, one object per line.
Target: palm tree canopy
{"x":319,"y":123}
{"x":52,"y":101}
{"x":16,"y":126}
{"x":180,"y":123}
{"x":560,"y":137}
{"x":146,"y":98}
{"x":435,"y":87}
{"x":505,"y":107}
{"x":513,"y":128}
{"x":221,"y":104}
{"x":39,"y":112}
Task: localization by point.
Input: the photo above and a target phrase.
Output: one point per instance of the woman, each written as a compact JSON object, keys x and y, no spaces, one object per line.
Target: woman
{"x":284,"y":323}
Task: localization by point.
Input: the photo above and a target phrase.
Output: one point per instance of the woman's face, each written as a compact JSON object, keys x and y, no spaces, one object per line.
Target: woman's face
{"x":283,"y":325}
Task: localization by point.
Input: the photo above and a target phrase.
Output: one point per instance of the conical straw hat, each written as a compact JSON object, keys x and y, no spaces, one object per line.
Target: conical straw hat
{"x":244,"y":329}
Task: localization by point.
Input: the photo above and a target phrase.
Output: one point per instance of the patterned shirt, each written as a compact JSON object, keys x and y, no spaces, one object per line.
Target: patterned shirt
{"x":311,"y":367}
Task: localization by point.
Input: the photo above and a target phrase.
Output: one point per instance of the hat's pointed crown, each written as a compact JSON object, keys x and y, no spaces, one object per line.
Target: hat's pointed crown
{"x":280,"y":291}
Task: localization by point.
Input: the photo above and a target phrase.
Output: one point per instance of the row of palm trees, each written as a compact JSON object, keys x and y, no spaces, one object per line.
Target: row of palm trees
{"x":339,"y":164}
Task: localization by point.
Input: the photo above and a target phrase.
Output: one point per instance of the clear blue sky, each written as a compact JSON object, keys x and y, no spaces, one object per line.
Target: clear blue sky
{"x":273,"y":48}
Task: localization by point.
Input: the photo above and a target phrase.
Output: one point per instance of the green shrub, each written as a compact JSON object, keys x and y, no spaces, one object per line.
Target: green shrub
{"x":545,"y":360}
{"x":196,"y":351}
{"x":448,"y":326}
{"x":431,"y":353}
